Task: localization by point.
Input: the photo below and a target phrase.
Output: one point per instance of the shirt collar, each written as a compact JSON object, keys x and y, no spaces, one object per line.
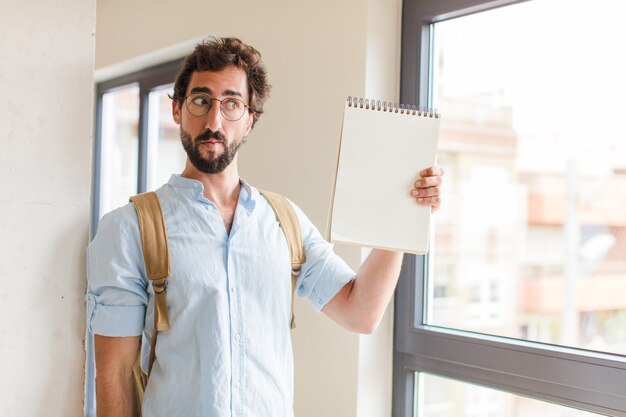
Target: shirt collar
{"x":195,"y":190}
{"x":248,"y":195}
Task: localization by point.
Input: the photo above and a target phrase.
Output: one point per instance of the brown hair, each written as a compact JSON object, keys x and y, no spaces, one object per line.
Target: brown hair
{"x":214,"y":54}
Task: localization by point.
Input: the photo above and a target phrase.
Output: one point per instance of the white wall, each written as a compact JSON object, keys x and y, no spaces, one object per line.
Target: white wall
{"x":46,"y":79}
{"x":317,"y":53}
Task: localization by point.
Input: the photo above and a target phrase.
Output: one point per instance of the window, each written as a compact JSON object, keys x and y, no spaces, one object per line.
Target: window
{"x":443,"y":397}
{"x":523,"y":291}
{"x":137,"y":143}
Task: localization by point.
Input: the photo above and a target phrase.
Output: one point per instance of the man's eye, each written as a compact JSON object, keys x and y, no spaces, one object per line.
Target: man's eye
{"x":232,"y":104}
{"x":200,"y":101}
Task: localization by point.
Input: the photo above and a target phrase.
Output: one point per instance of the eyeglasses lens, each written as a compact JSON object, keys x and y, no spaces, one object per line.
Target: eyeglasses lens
{"x":231,"y":108}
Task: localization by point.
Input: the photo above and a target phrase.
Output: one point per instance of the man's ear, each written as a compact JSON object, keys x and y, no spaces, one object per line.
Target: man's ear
{"x":176,"y":111}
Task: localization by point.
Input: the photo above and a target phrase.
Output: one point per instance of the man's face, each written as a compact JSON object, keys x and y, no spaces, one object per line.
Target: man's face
{"x":211,"y":141}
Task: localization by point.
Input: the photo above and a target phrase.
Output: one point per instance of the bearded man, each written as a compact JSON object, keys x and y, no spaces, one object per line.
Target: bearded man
{"x":228,"y":352}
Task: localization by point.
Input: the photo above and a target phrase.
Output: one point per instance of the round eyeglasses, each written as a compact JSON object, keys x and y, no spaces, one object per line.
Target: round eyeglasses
{"x":232,"y":109}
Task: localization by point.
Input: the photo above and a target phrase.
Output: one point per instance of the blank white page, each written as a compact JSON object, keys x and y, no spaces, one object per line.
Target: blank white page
{"x":380,"y":157}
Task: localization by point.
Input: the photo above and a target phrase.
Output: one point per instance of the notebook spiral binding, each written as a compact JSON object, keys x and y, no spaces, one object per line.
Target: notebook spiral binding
{"x":391,"y":107}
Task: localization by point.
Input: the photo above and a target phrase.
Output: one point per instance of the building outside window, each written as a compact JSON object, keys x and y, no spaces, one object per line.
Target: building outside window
{"x":529,"y":249}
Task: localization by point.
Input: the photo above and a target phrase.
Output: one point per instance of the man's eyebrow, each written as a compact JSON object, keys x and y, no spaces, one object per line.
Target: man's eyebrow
{"x":233,"y":93}
{"x":201,"y":90}
{"x":207,"y":90}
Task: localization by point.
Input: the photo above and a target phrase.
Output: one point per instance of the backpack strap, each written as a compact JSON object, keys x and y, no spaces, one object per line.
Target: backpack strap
{"x":156,"y":257}
{"x":288,"y":220}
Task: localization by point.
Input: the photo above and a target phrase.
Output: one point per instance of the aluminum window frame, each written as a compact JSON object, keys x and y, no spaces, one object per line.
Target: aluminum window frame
{"x":147,"y":80}
{"x":578,"y":378}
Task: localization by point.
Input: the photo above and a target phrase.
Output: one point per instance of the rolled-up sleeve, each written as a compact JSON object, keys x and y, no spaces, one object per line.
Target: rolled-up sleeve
{"x":324,"y":273}
{"x":116,"y":292}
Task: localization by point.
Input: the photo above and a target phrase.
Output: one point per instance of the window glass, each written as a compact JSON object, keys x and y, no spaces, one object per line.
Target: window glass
{"x":166,"y":155}
{"x":119,"y":147}
{"x":443,"y":397}
{"x":531,"y":239}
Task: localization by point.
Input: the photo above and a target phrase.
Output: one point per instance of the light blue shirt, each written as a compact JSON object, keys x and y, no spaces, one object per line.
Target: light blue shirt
{"x":228,"y":352}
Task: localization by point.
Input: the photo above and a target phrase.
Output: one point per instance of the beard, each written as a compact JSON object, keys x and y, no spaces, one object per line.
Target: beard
{"x":210,"y":164}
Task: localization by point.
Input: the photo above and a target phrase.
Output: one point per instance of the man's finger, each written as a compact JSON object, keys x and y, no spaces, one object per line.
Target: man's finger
{"x":431,"y":171}
{"x":434,"y":202}
{"x":426,"y":192}
{"x":428,"y":182}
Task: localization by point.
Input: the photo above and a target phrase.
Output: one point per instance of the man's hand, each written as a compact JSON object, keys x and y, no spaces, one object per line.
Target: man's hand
{"x":427,"y":190}
{"x":360,"y":304}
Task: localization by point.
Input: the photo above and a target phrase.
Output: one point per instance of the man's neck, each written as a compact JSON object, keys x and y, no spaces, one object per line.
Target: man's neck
{"x":221,"y":188}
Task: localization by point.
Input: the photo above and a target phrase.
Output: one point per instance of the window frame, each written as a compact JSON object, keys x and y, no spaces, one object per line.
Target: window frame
{"x":147,"y":80}
{"x":578,"y":378}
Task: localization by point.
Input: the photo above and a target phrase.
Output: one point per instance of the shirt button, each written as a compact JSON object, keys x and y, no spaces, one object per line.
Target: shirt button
{"x":233,"y":290}
{"x":237,"y":336}
{"x":237,"y":385}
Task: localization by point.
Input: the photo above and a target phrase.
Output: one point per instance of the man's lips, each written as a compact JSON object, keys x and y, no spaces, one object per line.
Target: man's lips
{"x":212,"y":140}
{"x":211,"y":143}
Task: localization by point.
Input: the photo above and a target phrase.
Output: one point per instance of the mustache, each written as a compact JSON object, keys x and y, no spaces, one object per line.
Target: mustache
{"x":210,"y":134}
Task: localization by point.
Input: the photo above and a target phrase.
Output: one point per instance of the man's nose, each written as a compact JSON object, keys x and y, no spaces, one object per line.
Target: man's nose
{"x":214,"y":117}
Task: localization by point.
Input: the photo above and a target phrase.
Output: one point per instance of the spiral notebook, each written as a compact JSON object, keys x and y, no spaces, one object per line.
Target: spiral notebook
{"x":383,"y":148}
